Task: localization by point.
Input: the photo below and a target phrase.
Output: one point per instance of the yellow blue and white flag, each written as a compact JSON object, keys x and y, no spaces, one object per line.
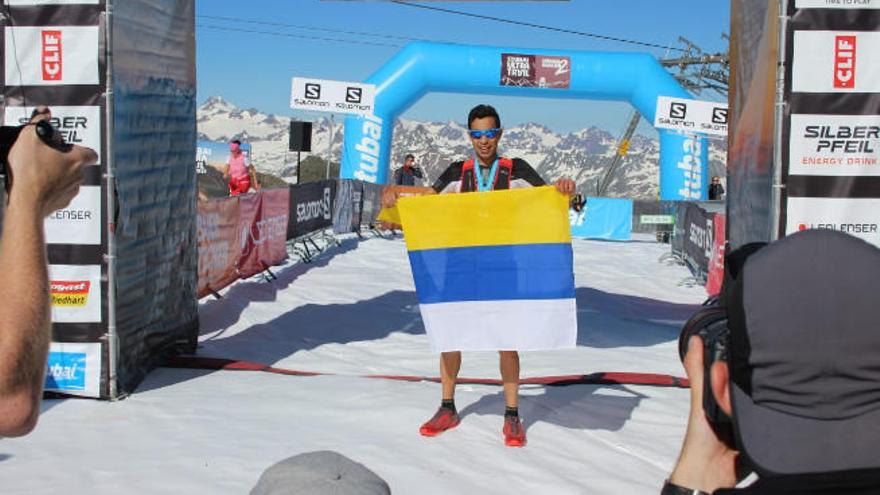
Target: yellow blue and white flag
{"x":493,"y":270}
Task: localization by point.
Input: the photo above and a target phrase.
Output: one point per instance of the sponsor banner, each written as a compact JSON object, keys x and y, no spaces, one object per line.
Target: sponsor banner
{"x":716,"y":263}
{"x":80,"y":125}
{"x":75,"y":293}
{"x":248,"y":215}
{"x":51,"y":56}
{"x":371,"y":203}
{"x":272,"y":227}
{"x":837,"y":4}
{"x":657,"y":219}
{"x":343,"y":207}
{"x":699,"y":233}
{"x":535,"y":71}
{"x":215,"y":154}
{"x":80,"y":222}
{"x":324,"y":95}
{"x":836,"y":62}
{"x":834,"y":145}
{"x":311,"y":207}
{"x":681,"y":114}
{"x":603,"y":218}
{"x":74,"y":368}
{"x":218,"y":242}
{"x":357,"y":204}
{"x":857,"y":217}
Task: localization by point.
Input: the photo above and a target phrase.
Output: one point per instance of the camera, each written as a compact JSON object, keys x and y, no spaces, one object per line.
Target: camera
{"x":710,"y":324}
{"x":8,"y":135}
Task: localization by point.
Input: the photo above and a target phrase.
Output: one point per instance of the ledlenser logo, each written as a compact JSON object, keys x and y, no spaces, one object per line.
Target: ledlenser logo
{"x":69,"y":293}
{"x":51,"y":55}
{"x":844,"y":62}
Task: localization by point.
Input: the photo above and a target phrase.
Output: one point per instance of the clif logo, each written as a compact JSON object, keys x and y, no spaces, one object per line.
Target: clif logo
{"x":844,"y":62}
{"x":51,"y":55}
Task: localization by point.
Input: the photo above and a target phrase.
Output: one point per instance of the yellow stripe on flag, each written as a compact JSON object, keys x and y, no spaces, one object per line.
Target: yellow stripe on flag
{"x":535,"y":215}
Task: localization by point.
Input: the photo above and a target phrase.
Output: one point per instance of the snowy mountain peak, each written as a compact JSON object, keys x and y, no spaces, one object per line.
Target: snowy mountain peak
{"x":582,"y":155}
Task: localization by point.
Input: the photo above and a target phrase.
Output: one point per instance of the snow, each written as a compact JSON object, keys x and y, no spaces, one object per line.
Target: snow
{"x":353,"y":312}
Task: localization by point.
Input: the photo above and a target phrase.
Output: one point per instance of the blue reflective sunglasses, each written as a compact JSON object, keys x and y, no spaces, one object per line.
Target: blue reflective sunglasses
{"x":489,"y":133}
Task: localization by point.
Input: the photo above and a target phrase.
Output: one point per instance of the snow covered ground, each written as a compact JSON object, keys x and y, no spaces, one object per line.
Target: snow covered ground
{"x":354,"y":312}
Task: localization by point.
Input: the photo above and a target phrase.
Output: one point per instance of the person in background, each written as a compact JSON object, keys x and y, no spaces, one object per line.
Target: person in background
{"x":45,"y":180}
{"x":408,"y":173}
{"x":716,"y":190}
{"x":238,"y":170}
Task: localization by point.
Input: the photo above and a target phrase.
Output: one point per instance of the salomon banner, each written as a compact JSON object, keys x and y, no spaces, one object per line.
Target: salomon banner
{"x":311,"y":207}
{"x":219,"y":247}
{"x":831,"y":125}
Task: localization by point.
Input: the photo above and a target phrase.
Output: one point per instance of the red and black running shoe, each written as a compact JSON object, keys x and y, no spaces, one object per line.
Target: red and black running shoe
{"x":514,"y":433}
{"x":444,"y":419}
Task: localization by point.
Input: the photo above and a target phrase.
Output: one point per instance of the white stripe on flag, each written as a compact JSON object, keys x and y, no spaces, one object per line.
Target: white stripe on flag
{"x":522,"y":325}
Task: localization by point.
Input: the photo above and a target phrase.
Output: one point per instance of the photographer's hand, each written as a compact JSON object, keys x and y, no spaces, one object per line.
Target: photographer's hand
{"x":705,"y":462}
{"x":45,"y":177}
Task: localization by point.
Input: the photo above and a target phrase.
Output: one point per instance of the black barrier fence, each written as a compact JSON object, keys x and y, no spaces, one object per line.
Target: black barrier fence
{"x":311,"y":208}
{"x":694,"y":235}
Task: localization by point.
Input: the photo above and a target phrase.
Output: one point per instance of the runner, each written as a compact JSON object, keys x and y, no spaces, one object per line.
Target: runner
{"x":487,"y":171}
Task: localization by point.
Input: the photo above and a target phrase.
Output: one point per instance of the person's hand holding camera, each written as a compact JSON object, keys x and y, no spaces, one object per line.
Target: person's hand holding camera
{"x":46,"y":176}
{"x":705,"y":462}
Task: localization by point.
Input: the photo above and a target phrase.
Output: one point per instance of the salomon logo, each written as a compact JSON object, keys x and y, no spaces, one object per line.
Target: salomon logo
{"x":313,"y":91}
{"x":677,"y":110}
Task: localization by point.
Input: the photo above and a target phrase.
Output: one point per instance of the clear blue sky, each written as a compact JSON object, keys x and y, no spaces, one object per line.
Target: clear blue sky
{"x":254,"y":69}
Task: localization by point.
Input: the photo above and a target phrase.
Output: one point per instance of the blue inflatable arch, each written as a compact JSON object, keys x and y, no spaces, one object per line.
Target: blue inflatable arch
{"x":423,"y":67}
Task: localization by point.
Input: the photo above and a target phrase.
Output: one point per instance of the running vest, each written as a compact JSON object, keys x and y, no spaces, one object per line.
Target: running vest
{"x":502,"y":178}
{"x":237,"y":166}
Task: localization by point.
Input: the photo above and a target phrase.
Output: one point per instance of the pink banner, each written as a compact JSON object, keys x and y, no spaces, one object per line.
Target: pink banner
{"x":716,"y":263}
{"x":249,"y":214}
{"x":218,"y":241}
{"x":272,"y":227}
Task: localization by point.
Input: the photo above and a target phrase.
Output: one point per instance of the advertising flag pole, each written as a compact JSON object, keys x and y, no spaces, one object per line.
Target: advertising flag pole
{"x":110,"y":256}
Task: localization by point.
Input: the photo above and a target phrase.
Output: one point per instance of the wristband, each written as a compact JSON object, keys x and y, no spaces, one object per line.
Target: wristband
{"x":670,"y":488}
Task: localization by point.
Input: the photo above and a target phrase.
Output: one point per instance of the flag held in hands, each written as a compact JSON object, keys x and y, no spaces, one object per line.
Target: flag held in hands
{"x":493,"y":270}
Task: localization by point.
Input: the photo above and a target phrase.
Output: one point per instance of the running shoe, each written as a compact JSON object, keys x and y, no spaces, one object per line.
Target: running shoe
{"x":444,"y":419}
{"x":514,"y":433}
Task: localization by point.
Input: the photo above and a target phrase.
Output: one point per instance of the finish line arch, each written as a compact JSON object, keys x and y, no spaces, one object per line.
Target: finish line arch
{"x":423,"y":67}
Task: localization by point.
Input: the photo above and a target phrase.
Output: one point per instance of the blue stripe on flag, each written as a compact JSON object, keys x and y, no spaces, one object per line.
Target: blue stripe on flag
{"x":493,"y":273}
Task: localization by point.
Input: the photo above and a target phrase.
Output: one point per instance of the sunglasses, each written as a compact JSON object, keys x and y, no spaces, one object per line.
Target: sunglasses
{"x":489,"y":133}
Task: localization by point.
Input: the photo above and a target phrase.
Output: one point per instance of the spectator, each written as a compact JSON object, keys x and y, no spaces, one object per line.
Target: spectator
{"x":716,"y":190}
{"x":239,"y":171}
{"x":45,"y":180}
{"x":407,"y":174}
{"x":800,"y":383}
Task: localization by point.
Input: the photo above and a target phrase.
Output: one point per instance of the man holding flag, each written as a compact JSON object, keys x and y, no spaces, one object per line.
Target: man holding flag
{"x":488,"y":172}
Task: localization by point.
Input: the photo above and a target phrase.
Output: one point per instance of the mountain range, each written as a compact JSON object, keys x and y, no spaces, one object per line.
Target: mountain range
{"x":581,"y":155}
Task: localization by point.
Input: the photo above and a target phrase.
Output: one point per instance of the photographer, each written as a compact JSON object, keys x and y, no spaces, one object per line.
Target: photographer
{"x":408,"y":173}
{"x":44,"y":179}
{"x":795,"y":374}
